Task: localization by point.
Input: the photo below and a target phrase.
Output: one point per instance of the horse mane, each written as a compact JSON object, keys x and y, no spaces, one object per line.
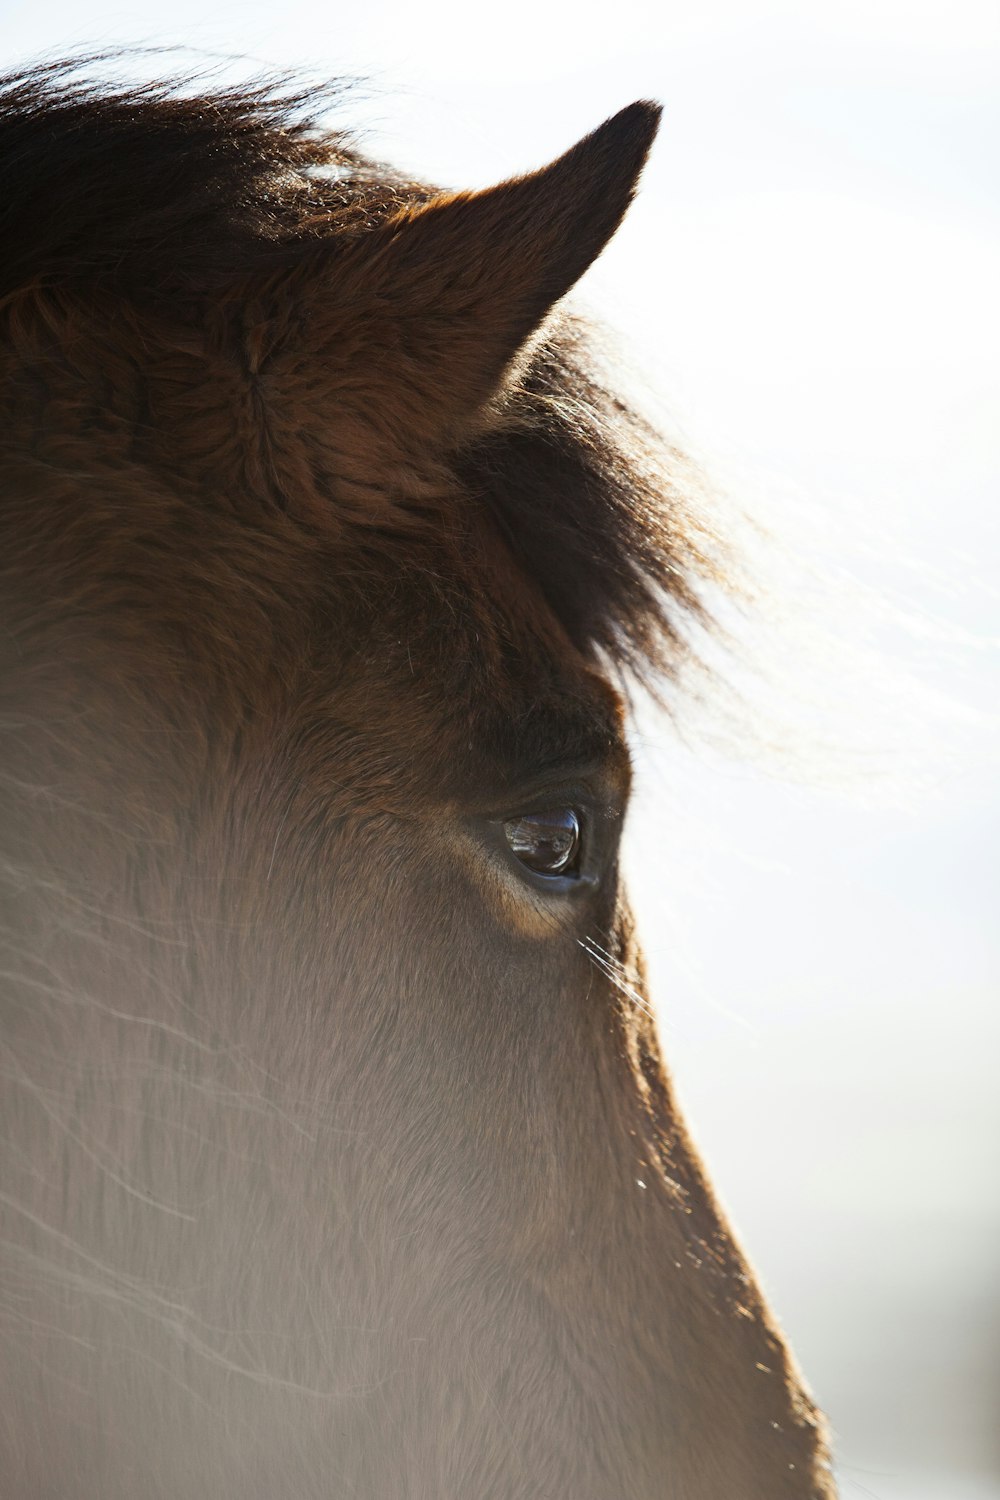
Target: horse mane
{"x":161,"y":193}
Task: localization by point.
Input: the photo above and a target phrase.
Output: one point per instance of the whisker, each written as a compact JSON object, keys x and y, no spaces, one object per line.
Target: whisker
{"x":616,"y":972}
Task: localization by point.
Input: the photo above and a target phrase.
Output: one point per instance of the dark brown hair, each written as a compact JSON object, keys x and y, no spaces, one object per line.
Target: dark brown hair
{"x":165,"y":196}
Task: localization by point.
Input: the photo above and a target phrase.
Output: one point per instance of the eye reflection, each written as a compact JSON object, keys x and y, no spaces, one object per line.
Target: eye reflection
{"x":546,"y":842}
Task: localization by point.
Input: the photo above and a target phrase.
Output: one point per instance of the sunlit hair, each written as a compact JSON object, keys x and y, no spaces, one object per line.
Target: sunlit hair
{"x":160,"y":192}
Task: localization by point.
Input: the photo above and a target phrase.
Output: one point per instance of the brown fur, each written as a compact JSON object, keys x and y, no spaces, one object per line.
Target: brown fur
{"x":320,"y":546}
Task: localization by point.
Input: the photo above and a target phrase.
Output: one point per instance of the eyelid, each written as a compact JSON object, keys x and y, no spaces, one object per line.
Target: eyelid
{"x":582,"y":794}
{"x":597,"y":857}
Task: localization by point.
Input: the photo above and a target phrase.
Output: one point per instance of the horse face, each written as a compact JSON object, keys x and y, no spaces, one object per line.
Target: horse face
{"x":343,"y":1161}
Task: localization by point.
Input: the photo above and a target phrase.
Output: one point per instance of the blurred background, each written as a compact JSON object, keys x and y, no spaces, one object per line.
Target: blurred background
{"x":810,"y":280}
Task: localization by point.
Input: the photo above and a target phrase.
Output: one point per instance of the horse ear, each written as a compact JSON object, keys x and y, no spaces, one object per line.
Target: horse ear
{"x":457,"y":284}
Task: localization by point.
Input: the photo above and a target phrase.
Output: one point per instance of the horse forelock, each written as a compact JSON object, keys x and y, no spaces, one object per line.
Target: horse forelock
{"x":180,"y":303}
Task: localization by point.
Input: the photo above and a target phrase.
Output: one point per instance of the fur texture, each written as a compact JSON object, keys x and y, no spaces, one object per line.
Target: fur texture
{"x":340,"y":1160}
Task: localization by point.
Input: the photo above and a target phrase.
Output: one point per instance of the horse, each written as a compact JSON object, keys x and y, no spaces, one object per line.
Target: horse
{"x":339,"y":1155}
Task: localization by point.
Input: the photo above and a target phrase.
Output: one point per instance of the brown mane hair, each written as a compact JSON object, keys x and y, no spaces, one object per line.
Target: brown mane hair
{"x":165,"y":197}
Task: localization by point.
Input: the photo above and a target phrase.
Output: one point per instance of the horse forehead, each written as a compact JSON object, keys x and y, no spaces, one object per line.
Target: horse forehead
{"x":481,"y":688}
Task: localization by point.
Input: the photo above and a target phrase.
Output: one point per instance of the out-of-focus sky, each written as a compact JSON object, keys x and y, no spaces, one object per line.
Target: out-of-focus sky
{"x":811,"y":275}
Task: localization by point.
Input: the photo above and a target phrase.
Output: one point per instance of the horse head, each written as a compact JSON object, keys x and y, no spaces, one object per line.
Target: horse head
{"x":341,"y":1160}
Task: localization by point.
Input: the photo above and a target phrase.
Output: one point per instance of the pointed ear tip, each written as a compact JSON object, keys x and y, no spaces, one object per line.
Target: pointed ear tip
{"x":648,"y":112}
{"x":633,"y":129}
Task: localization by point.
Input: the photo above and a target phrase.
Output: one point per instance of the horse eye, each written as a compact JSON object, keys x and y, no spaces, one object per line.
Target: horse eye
{"x":547,"y":842}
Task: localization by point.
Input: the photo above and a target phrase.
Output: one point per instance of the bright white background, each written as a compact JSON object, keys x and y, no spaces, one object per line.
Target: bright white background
{"x":812,"y":274}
